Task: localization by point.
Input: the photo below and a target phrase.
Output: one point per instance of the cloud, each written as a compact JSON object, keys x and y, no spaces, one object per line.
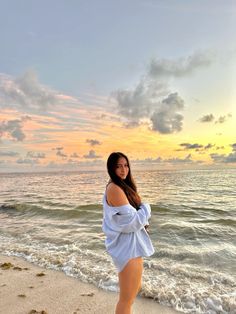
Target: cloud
{"x":74,"y":155}
{"x":143,"y":103}
{"x":222,"y":158}
{"x":170,"y":161}
{"x":180,"y":67}
{"x":137,"y":103}
{"x":59,"y":152}
{"x":95,"y":164}
{"x":131,"y":124}
{"x":92,"y":155}
{"x":234,"y":146}
{"x":187,"y":159}
{"x":72,"y":161}
{"x":31,"y":158}
{"x":190,"y":146}
{"x":210,"y":117}
{"x":208,"y":146}
{"x":26,"y":93}
{"x":9,"y":154}
{"x":93,"y":142}
{"x":207,"y":118}
{"x":148,"y":161}
{"x":167,"y":118}
{"x":223,"y":119}
{"x":195,"y":146}
{"x":32,"y":154}
{"x":151,"y":98}
{"x":13,"y":128}
{"x":27,"y":161}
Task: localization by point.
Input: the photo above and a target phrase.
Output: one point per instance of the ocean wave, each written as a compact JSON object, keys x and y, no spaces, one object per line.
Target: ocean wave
{"x":200,"y":227}
{"x":34,"y":210}
{"x":188,"y":289}
{"x":220,"y":221}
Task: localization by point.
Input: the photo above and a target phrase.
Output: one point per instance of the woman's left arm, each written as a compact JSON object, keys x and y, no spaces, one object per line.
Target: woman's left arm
{"x":128,"y":219}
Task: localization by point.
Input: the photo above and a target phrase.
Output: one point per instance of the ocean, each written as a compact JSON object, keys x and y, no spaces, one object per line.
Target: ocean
{"x":54,"y":220}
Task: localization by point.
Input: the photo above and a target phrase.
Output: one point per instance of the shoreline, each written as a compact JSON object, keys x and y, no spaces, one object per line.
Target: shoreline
{"x":26,"y":288}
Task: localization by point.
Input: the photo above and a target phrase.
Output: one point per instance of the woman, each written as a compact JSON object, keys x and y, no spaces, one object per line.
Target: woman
{"x":125,"y":220}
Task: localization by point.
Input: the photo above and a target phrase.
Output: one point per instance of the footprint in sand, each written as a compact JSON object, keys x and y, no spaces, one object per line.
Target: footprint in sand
{"x":17,"y":268}
{"x":5,"y":266}
{"x":37,"y":312}
{"x":40,"y":274}
{"x":91,"y":294}
{"x":8,"y":265}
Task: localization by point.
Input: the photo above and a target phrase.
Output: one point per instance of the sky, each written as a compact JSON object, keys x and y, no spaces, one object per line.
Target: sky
{"x":152,"y":79}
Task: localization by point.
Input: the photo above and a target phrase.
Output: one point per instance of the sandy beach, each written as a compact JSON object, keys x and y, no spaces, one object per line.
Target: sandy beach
{"x":27,"y":289}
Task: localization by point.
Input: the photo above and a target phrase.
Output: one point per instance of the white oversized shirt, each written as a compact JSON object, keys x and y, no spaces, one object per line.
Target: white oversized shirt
{"x":126,"y":236}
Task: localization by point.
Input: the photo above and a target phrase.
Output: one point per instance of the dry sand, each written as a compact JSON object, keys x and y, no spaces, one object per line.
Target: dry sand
{"x":27,"y":289}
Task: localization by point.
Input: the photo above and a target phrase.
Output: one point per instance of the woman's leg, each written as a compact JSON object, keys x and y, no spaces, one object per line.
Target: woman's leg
{"x":130,"y":283}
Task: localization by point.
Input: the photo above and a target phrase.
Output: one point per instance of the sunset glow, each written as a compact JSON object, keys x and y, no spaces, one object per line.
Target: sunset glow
{"x":69,"y":98}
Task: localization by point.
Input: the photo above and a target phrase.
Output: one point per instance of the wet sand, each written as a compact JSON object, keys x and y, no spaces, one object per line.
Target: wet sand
{"x":29,"y":289}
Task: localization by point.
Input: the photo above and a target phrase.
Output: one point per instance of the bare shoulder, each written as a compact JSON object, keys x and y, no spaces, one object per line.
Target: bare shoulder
{"x":115,"y":195}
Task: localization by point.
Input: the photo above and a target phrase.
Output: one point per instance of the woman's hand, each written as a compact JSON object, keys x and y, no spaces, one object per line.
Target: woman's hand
{"x":147,"y":228}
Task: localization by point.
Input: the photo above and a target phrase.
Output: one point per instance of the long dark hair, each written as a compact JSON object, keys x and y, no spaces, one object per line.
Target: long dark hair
{"x":127,"y":185}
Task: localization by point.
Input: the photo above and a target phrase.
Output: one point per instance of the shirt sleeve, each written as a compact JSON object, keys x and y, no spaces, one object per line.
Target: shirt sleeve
{"x":127,"y":219}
